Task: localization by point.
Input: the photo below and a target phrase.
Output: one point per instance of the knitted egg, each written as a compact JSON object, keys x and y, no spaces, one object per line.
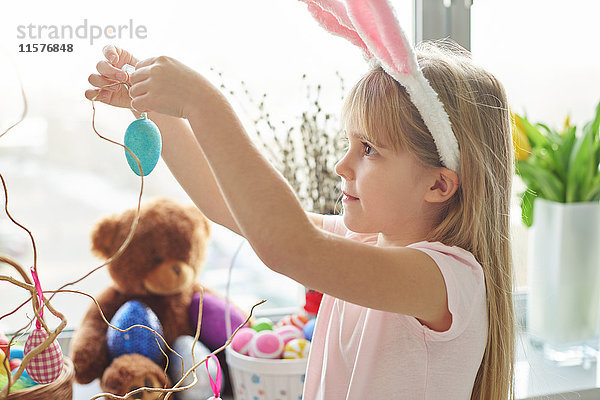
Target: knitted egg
{"x":23,"y":382}
{"x":262,"y":324}
{"x":3,"y":362}
{"x":241,"y":340}
{"x":47,"y":365}
{"x":266,"y":344}
{"x":142,"y":137}
{"x":297,"y":348}
{"x":309,"y":329}
{"x":136,"y":340}
{"x":296,"y":320}
{"x":16,"y":351}
{"x":289,"y":332}
{"x":3,"y":342}
{"x":15,"y":363}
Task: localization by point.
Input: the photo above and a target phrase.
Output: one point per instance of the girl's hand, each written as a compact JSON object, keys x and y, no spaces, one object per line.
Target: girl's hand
{"x":163,"y":84}
{"x":110,"y":72}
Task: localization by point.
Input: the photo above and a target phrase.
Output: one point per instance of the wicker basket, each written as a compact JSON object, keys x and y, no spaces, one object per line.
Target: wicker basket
{"x":60,"y":389}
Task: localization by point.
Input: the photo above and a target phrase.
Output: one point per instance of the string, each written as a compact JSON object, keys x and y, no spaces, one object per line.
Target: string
{"x":215,"y":386}
{"x":228,"y":308}
{"x":40,"y":294}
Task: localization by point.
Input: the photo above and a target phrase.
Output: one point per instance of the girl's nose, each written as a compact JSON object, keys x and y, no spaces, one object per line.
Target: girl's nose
{"x":343,"y":169}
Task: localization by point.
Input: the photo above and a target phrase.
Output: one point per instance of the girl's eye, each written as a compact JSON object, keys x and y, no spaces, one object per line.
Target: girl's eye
{"x":369,"y":150}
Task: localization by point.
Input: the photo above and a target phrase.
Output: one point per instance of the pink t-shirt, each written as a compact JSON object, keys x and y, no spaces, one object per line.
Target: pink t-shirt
{"x":362,"y":353}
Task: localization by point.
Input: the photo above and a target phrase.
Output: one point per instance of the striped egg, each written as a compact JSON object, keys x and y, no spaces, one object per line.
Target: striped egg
{"x":241,"y":341}
{"x":288,"y":333}
{"x":296,"y":320}
{"x":297,"y":348}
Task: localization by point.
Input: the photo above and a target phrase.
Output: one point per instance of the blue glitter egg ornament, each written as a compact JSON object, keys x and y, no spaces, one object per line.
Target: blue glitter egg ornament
{"x":142,"y":137}
{"x":136,"y":340}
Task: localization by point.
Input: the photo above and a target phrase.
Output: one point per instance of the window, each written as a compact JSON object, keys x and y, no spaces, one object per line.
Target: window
{"x":62,"y":178}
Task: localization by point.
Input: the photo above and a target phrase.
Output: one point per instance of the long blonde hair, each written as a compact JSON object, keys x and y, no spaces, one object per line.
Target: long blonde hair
{"x":476,"y":218}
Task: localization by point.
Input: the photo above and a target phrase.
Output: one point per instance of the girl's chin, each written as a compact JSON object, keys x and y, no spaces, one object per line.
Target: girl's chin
{"x":352,"y":224}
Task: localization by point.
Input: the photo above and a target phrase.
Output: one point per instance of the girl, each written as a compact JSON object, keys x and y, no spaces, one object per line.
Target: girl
{"x":417,"y":272}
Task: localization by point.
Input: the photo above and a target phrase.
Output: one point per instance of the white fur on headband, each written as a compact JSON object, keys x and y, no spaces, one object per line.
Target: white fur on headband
{"x":372,"y":26}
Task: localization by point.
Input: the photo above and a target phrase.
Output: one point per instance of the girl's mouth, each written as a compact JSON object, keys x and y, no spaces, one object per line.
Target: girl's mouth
{"x":347,"y":197}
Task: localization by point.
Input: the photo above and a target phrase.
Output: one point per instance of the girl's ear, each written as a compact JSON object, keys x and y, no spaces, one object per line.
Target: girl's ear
{"x":446,"y":183}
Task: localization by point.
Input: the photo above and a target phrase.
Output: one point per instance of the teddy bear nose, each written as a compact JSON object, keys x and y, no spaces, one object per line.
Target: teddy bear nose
{"x":177,"y":269}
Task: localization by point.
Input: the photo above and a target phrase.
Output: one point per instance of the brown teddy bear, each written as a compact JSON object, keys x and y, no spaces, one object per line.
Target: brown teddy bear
{"x":158,"y":268}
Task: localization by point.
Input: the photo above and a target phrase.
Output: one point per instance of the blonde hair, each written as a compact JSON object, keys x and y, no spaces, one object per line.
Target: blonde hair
{"x":476,"y":218}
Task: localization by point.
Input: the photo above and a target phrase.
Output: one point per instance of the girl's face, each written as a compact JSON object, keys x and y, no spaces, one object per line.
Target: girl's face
{"x":383,"y":190}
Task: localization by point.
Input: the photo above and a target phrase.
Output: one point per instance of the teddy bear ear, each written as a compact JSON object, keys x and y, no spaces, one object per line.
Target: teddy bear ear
{"x":103,"y":236}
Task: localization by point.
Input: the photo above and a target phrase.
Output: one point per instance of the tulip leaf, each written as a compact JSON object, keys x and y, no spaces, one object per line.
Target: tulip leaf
{"x":562,"y":166}
{"x":527,"y":200}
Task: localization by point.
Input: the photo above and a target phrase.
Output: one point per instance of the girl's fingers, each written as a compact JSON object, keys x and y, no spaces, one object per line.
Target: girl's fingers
{"x":94,"y":94}
{"x":91,"y":93}
{"x":110,"y":71}
{"x":140,"y":74}
{"x":118,"y":57}
{"x":100,"y":82}
{"x":140,"y":103}
{"x":145,"y":63}
{"x":138,"y":89}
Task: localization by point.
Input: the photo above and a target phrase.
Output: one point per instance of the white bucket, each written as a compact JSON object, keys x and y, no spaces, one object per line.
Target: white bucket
{"x":263,"y":379}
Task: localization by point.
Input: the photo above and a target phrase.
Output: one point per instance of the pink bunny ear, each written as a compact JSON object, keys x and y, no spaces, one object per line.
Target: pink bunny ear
{"x":372,"y":25}
{"x":375,"y":22}
{"x":333,"y":17}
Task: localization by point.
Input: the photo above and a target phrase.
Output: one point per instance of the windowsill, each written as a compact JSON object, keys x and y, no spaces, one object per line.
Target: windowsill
{"x":536,"y":378}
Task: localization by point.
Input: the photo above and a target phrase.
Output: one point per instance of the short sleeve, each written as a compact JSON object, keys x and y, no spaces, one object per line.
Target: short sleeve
{"x":465,"y":287}
{"x":335,"y":224}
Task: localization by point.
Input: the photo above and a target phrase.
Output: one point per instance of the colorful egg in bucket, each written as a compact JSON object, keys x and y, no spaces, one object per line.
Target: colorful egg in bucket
{"x":46,"y":366}
{"x":142,"y":137}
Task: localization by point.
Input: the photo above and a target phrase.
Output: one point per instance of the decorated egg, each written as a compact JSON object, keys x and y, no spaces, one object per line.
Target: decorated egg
{"x":136,"y":340}
{"x":262,"y":324}
{"x":242,"y":339}
{"x":289,"y":332}
{"x":3,"y":342}
{"x":297,"y":348}
{"x":16,"y":351}
{"x":15,"y":363}
{"x":142,"y":137}
{"x":309,"y":329}
{"x":23,"y":382}
{"x":296,"y":320}
{"x":3,"y":360}
{"x":266,"y":344}
{"x":213,"y":332}
{"x":201,"y":389}
{"x":47,"y":365}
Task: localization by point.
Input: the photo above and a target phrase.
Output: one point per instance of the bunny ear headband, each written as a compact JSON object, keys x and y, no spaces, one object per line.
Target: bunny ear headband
{"x":372,"y":26}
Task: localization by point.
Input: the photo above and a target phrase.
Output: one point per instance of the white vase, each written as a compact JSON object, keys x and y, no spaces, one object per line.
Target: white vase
{"x":564,"y":274}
